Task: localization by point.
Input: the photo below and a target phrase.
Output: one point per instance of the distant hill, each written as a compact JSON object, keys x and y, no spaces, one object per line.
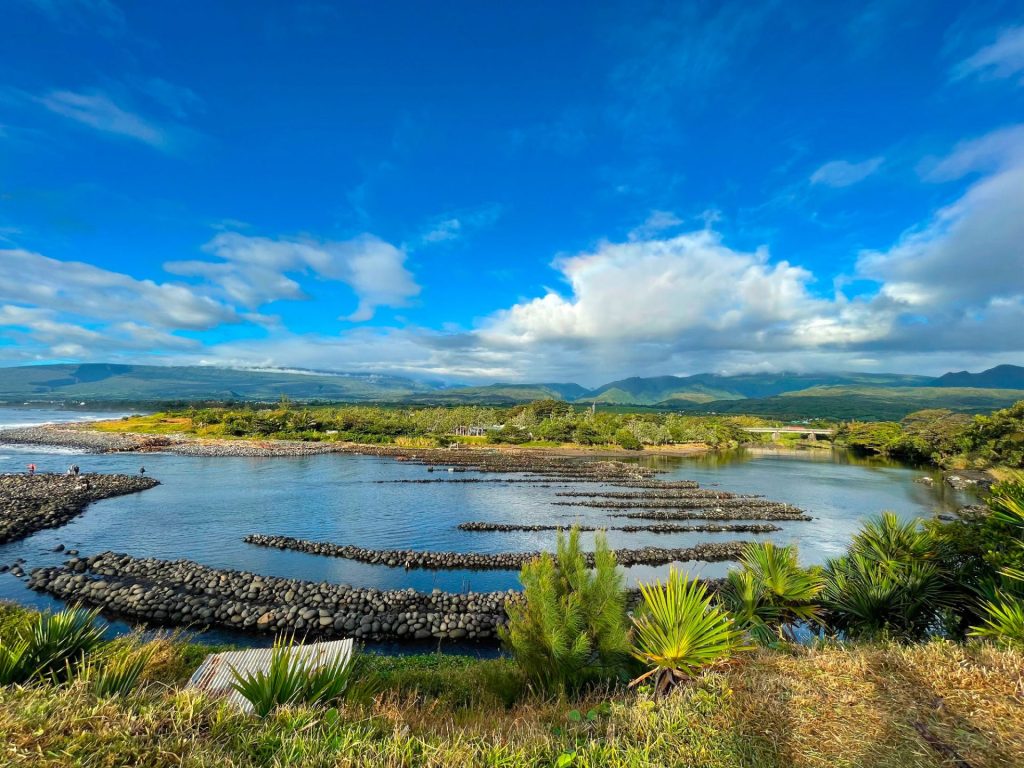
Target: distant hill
{"x":1000,"y":377}
{"x":497,"y":394}
{"x":152,"y":382}
{"x":707,"y":387}
{"x":784,"y":395}
{"x":863,"y":403}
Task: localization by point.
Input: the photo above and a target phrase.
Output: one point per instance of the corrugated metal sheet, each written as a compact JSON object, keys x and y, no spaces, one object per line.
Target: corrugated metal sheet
{"x":214,"y":674}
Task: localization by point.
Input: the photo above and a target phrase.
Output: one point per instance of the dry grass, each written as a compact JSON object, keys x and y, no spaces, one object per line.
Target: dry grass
{"x":886,"y":706}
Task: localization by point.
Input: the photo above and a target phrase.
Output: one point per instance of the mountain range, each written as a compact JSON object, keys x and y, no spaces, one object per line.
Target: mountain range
{"x":785,"y":395}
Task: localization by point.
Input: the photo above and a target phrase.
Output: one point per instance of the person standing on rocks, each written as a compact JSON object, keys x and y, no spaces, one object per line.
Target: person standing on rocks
{"x":142,"y":471}
{"x":31,"y":470}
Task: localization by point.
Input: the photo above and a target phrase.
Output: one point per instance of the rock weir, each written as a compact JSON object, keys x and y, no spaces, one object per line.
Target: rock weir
{"x":711,"y":552}
{"x":185,"y":593}
{"x":656,"y":528}
{"x":29,"y":503}
{"x":781,"y":512}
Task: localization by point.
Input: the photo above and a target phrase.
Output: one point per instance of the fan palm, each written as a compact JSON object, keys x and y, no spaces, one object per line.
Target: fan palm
{"x":679,"y":632}
{"x":770,"y":592}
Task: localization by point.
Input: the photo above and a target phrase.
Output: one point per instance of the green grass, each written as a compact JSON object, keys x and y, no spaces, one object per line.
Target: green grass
{"x":882,"y":705}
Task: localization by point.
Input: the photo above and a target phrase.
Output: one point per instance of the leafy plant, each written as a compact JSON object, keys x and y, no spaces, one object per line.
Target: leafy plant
{"x":679,"y":631}
{"x":14,"y":667}
{"x":771,"y":592}
{"x":570,"y":627}
{"x":55,"y":644}
{"x":116,"y":672}
{"x":1002,"y":621}
{"x":289,"y":679}
{"x":892,"y":580}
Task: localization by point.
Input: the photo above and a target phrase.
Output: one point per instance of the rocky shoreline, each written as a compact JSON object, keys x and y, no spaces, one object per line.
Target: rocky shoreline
{"x":29,"y":503}
{"x":710,"y":552}
{"x":185,"y":593}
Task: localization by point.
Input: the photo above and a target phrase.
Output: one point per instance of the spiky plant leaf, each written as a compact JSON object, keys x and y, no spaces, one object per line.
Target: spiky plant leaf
{"x":678,"y":630}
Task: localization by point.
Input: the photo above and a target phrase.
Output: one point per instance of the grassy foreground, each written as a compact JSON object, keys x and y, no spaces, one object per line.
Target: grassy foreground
{"x":935,"y":704}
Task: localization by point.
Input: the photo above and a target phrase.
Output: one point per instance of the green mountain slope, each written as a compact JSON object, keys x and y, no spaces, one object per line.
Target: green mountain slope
{"x":500,"y":394}
{"x":865,"y":403}
{"x":1000,"y":377}
{"x":150,"y":382}
{"x":706,"y":387}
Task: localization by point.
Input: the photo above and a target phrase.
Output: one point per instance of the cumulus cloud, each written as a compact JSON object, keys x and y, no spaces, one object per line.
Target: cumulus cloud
{"x":74,"y":310}
{"x":252,"y":271}
{"x":88,"y":291}
{"x":691,"y":292}
{"x":958,"y":278}
{"x":1001,"y":59}
{"x":843,"y":173}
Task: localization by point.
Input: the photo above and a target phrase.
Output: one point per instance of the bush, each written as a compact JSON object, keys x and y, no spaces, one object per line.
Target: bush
{"x":570,"y":627}
{"x":893,"y":580}
{"x":627,"y":440}
{"x":52,"y":646}
{"x":770,"y":592}
{"x":116,"y":671}
{"x":290,"y":680}
{"x":679,"y":632}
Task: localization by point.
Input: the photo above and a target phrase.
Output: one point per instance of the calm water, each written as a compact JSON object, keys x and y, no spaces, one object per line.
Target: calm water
{"x":206,"y":505}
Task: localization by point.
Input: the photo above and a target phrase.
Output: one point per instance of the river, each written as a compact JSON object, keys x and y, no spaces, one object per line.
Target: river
{"x":204,"y":506}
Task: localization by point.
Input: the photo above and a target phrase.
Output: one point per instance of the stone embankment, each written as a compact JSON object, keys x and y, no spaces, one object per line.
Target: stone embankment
{"x":614,"y":496}
{"x":184,"y":593}
{"x":63,"y":436}
{"x":29,"y":503}
{"x":657,"y":528}
{"x":501,"y":561}
{"x":739,"y":504}
{"x":775,"y":512}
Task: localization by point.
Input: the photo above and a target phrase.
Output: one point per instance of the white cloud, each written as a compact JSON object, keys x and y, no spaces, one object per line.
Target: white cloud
{"x":971,"y":252}
{"x":1001,"y":59}
{"x":456,"y":225}
{"x":98,"y":111}
{"x":688,"y":292}
{"x":88,"y":291}
{"x":448,"y":229}
{"x":253,"y":271}
{"x":657,"y":221}
{"x":842,"y":173}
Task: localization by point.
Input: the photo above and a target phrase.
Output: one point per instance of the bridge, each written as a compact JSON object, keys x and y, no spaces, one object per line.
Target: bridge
{"x":809,"y":433}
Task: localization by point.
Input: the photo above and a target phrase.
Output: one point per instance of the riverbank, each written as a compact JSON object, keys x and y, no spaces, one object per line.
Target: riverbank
{"x":857,"y":706}
{"x":93,"y":438}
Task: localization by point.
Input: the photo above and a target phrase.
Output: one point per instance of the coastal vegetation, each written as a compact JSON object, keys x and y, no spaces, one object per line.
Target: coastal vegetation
{"x":539,"y":423}
{"x":944,"y":438}
{"x":938,"y":437}
{"x":890,"y":655}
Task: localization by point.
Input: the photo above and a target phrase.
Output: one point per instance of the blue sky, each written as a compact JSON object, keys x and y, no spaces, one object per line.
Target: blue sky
{"x":573,"y":191}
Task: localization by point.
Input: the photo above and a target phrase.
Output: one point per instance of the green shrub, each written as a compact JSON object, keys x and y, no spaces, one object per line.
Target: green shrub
{"x":893,"y":580}
{"x":771,"y":592}
{"x":570,"y":627}
{"x":1002,"y":621}
{"x":290,"y":680}
{"x":52,"y":646}
{"x":679,"y":632}
{"x":628,"y":440}
{"x":116,"y":670}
